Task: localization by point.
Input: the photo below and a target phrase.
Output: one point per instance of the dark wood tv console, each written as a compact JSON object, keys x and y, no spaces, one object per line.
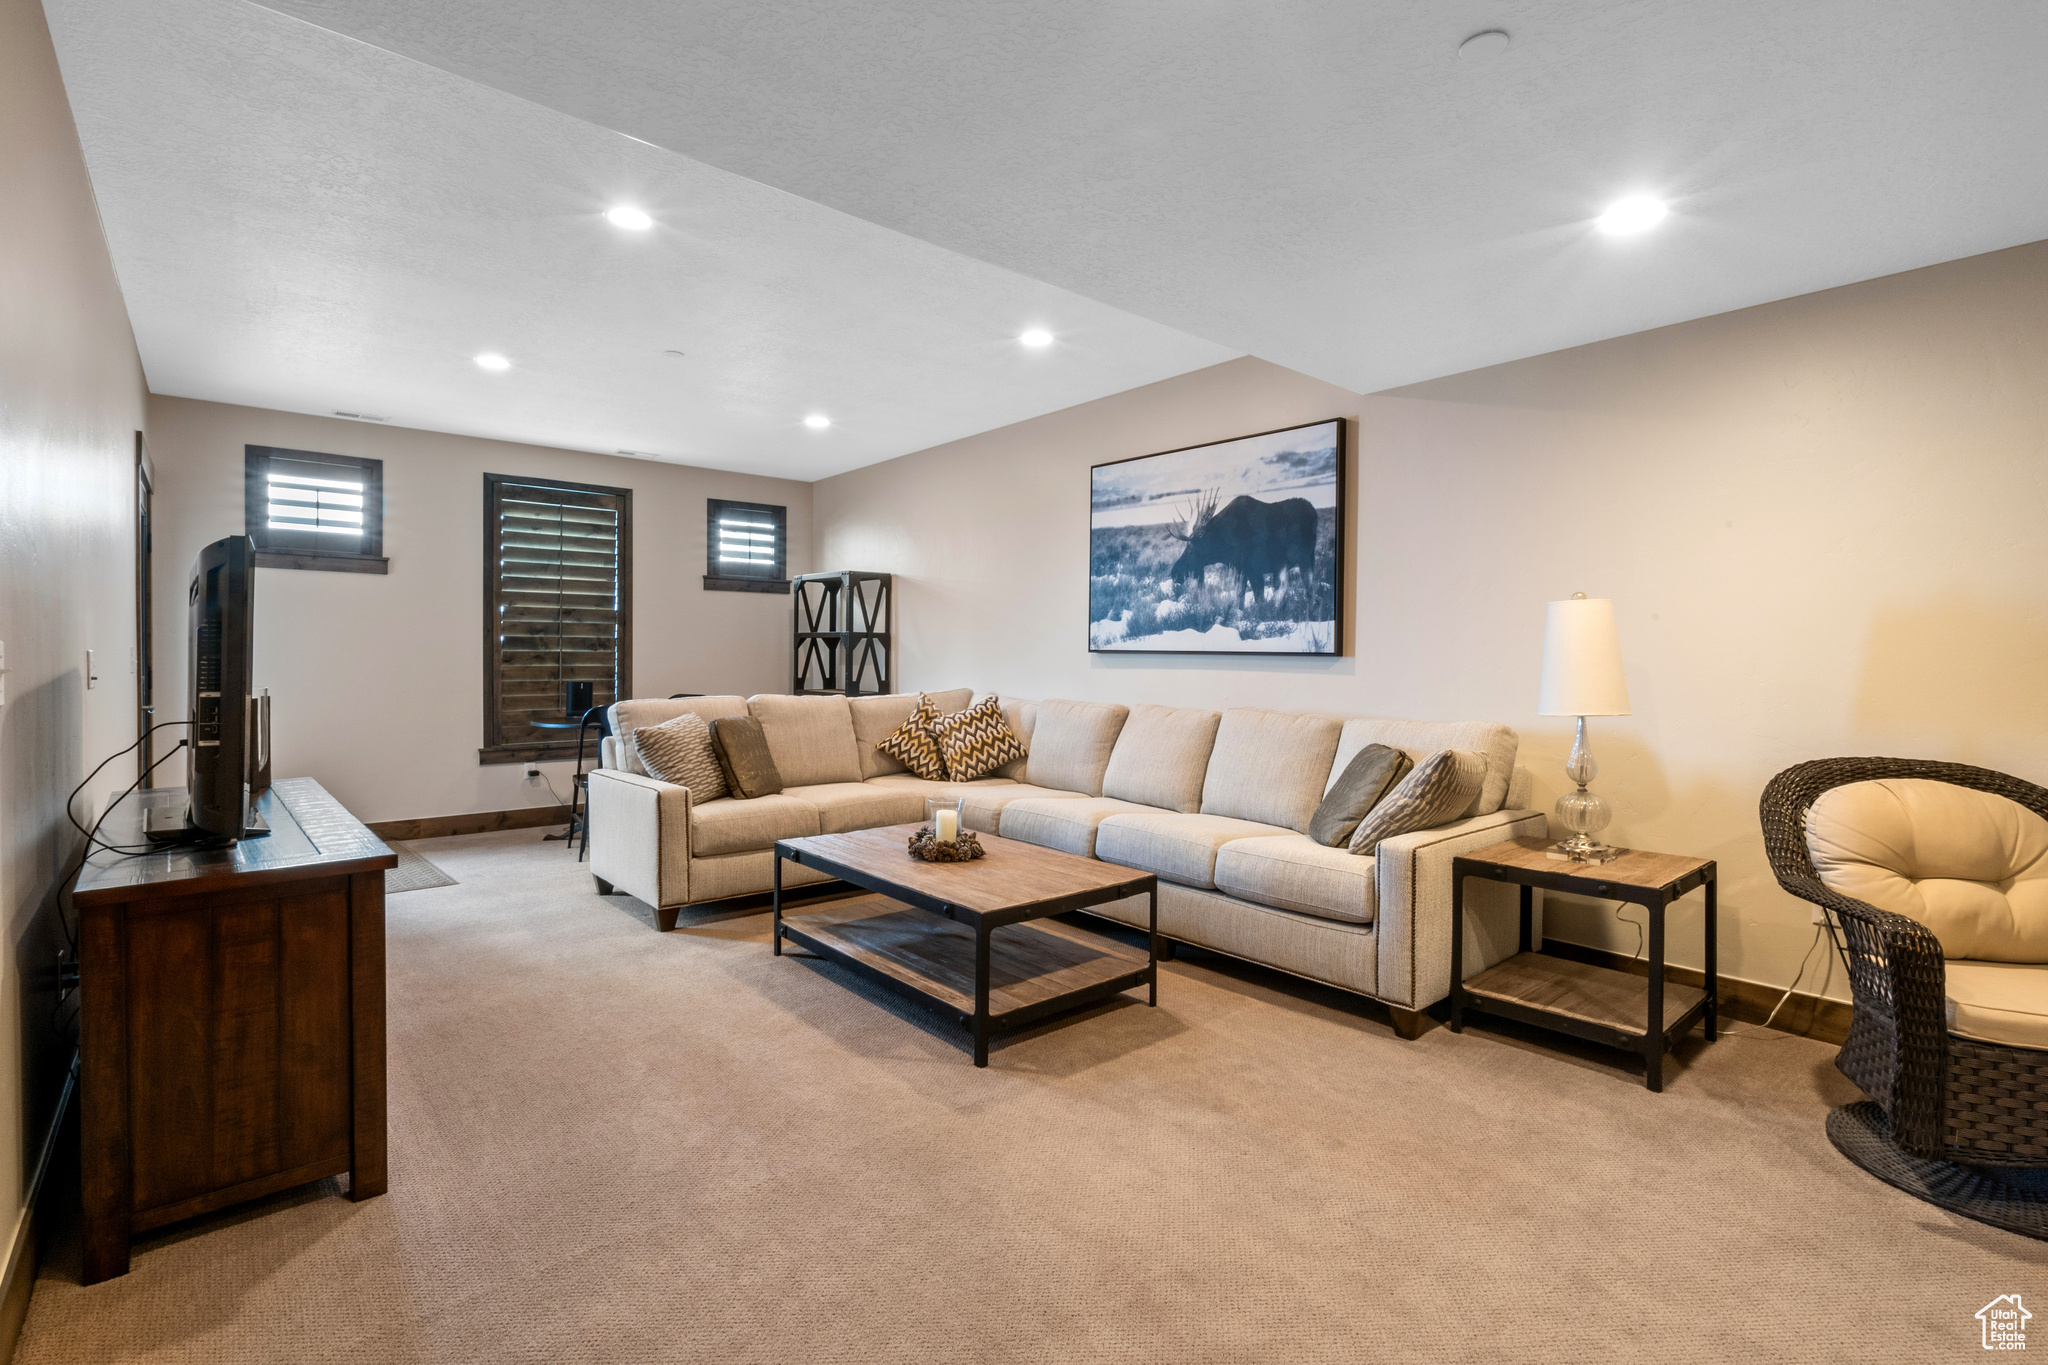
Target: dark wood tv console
{"x":231,"y":1019}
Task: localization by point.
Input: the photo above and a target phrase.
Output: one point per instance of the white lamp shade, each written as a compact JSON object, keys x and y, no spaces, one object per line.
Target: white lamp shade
{"x":1582,"y":661}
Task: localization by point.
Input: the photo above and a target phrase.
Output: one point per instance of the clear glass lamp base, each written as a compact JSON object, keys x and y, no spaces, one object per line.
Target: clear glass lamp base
{"x":1585,"y":815}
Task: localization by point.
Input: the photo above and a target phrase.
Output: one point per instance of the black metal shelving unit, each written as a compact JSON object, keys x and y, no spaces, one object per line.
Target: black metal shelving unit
{"x":843,"y":643}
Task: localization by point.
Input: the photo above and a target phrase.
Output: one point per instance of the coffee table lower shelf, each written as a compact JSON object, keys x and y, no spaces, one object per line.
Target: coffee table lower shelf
{"x":1036,"y":970}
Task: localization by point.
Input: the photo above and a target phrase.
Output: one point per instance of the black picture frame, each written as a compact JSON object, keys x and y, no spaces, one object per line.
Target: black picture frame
{"x":1127,"y":563}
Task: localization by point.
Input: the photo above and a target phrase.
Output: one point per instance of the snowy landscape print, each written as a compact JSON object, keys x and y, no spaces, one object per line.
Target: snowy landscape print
{"x":1231,"y":548}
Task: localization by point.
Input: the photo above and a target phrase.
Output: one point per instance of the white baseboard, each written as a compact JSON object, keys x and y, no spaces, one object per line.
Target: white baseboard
{"x":25,"y":1247}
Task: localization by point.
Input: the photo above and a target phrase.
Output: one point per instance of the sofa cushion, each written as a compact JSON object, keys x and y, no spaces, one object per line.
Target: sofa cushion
{"x":1294,"y":872}
{"x":1970,"y":865}
{"x":634,"y":712}
{"x":951,"y":791}
{"x":737,"y":826}
{"x":1420,"y":738}
{"x":844,"y":806}
{"x":981,"y":807}
{"x":744,"y":758}
{"x":912,"y":744}
{"x":1065,"y":823}
{"x":1023,"y":718}
{"x":1998,"y":1002}
{"x":810,"y":737}
{"x":1161,"y":757}
{"x":1435,"y":792}
{"x":1180,"y":848}
{"x":680,"y":751}
{"x":1269,"y":766}
{"x":976,"y":742}
{"x":1367,"y":778}
{"x":1071,"y":743}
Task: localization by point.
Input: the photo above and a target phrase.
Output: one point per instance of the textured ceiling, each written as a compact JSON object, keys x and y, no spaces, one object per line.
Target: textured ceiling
{"x":861,"y":205}
{"x":304,"y":222}
{"x":1325,"y":183}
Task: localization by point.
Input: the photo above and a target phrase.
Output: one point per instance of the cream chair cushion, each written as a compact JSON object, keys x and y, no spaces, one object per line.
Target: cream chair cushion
{"x":844,"y":806}
{"x":636,"y":712}
{"x":1998,"y":1002}
{"x":981,"y":807}
{"x":1161,"y":757}
{"x":1971,"y":866}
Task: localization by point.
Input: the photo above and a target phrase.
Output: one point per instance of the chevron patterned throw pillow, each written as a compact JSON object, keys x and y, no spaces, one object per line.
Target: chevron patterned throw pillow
{"x":912,"y":744}
{"x":977,"y":741}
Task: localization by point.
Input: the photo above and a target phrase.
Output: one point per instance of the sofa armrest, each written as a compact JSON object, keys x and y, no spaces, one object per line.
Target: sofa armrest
{"x":1413,"y":873}
{"x":640,"y":836}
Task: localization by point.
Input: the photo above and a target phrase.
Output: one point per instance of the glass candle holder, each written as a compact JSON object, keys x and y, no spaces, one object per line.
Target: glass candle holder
{"x":943,"y":815}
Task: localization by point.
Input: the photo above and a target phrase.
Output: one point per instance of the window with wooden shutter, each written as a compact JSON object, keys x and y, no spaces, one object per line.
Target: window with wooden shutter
{"x":558,"y":611}
{"x":746,"y":546}
{"x":309,"y":510}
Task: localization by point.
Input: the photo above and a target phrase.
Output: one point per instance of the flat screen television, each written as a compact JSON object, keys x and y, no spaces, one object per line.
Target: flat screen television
{"x":222,"y":614}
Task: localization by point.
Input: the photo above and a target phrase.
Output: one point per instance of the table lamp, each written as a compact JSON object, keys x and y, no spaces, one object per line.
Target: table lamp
{"x":1582,"y":677}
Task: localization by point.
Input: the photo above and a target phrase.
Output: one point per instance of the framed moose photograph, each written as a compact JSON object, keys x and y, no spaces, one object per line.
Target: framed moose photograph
{"x":1236,"y":547}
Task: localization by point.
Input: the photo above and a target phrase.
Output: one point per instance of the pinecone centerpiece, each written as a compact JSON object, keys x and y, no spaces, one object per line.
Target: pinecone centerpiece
{"x":926,"y":846}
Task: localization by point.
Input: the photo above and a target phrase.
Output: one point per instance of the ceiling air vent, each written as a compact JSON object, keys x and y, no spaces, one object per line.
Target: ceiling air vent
{"x":360,"y":416}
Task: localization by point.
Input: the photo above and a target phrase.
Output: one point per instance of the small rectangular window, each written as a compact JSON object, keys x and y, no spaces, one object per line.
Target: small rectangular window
{"x":747,"y":547}
{"x":558,"y":611}
{"x":308,"y":510}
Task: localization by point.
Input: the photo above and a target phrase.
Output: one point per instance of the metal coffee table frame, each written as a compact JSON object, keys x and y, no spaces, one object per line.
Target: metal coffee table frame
{"x":982,"y":1023}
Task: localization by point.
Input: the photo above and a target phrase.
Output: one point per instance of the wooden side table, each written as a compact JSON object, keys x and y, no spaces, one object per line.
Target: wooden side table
{"x":1595,"y":1003}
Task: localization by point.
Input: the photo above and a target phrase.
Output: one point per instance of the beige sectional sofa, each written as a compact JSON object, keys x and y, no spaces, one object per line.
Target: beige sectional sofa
{"x":1215,"y":803}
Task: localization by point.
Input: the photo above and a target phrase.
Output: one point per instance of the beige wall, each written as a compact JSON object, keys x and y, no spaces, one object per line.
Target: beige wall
{"x":1824,"y":523}
{"x":71,"y":401}
{"x":377,"y":680}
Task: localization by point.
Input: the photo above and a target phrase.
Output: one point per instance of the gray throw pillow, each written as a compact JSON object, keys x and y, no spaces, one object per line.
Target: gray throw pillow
{"x":1366,"y":779}
{"x":1435,"y":792}
{"x":743,"y":755}
{"x":680,"y":751}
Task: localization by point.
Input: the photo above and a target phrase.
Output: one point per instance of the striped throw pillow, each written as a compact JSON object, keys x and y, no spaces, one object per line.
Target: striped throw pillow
{"x":913,"y":745}
{"x":680,"y":751}
{"x":1433,"y":793}
{"x":977,"y":741}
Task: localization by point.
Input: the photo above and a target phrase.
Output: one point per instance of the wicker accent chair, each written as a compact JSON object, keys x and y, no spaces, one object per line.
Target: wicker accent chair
{"x":1948,"y":1098}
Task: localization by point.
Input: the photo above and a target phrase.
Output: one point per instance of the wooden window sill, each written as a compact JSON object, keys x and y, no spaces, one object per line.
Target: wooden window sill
{"x":290,"y":559}
{"x":774,"y":585}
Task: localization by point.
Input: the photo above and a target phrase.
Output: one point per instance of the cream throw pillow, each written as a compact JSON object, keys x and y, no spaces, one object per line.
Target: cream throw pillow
{"x":680,"y":751}
{"x":1435,"y":792}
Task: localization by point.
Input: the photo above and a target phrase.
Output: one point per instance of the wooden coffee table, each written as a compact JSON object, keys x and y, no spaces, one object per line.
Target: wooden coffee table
{"x":929,"y":930}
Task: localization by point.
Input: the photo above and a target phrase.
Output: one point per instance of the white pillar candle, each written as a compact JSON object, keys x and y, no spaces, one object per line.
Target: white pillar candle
{"x":949,"y":826}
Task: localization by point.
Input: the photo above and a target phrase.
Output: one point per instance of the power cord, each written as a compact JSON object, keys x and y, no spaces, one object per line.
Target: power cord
{"x":1764,"y":1030}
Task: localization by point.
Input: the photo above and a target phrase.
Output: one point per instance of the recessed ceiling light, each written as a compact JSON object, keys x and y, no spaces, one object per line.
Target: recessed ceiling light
{"x":626,"y":217}
{"x":1488,"y":43}
{"x":490,"y":361}
{"x":817,"y":421}
{"x":1036,"y":337}
{"x":1633,"y":214}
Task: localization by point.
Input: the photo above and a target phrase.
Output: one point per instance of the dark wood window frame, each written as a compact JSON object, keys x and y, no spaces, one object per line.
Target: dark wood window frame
{"x":277,"y":549}
{"x":721,"y":577}
{"x":497,"y":746}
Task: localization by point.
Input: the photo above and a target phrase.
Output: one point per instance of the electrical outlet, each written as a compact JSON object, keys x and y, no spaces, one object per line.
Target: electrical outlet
{"x":1820,"y":916}
{"x":92,"y":670}
{"x":532,"y":772}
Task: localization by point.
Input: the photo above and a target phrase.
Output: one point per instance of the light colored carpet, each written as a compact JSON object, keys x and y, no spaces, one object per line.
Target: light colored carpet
{"x":414,"y":872}
{"x":609,"y":1144}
